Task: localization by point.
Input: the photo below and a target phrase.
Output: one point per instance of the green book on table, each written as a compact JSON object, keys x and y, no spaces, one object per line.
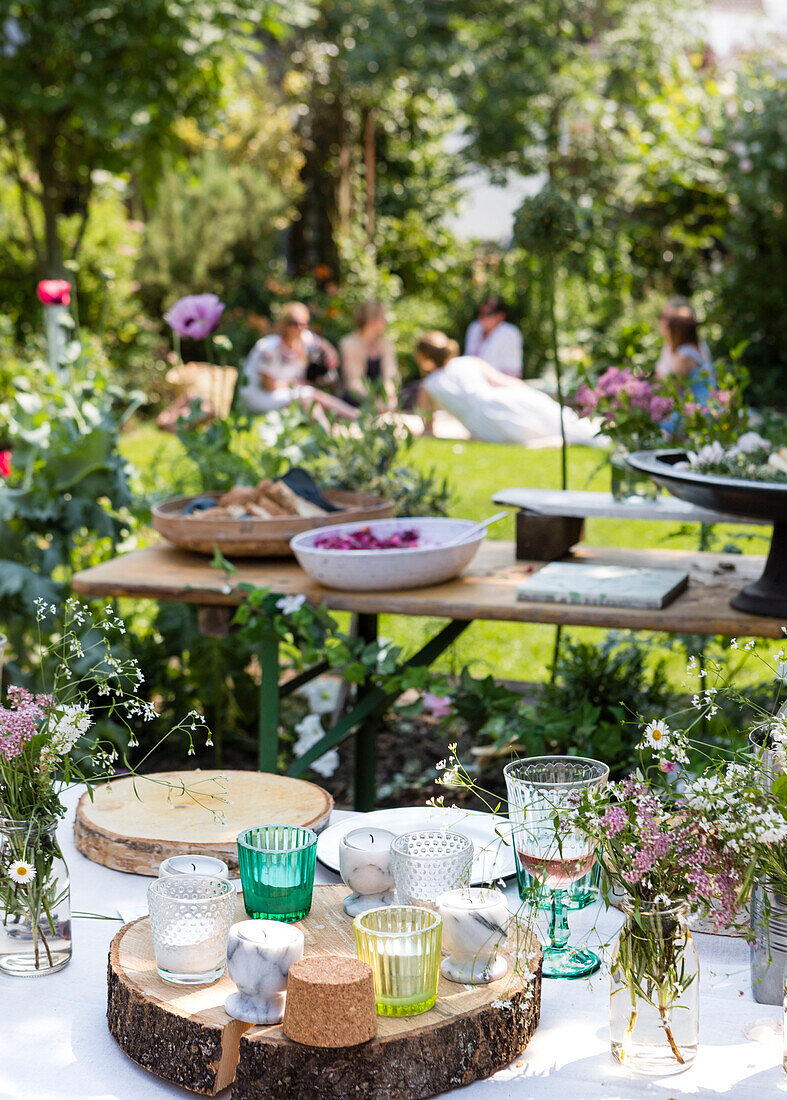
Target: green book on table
{"x":611,"y":585}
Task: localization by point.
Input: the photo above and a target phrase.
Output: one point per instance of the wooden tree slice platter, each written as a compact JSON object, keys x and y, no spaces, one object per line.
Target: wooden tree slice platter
{"x":132,"y":824}
{"x":184,"y":1035}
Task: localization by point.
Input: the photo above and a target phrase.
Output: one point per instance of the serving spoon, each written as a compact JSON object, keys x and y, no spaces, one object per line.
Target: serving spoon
{"x":476,"y":529}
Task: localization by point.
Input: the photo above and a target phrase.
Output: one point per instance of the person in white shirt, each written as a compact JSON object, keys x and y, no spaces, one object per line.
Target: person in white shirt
{"x":493,"y":339}
{"x":276,"y":370}
{"x":492,"y":406}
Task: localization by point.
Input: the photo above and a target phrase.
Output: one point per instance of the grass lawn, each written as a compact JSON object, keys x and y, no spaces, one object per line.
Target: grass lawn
{"x":476,"y":471}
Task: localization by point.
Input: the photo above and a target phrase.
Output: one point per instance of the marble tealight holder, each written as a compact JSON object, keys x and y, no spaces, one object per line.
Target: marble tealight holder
{"x":475,"y":923}
{"x":193,"y":865}
{"x":365,"y":866}
{"x":259,"y":956}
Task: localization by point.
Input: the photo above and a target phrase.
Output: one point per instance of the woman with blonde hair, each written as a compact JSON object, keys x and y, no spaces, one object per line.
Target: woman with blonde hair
{"x":367,"y":356}
{"x":492,"y":406}
{"x":278,"y":366}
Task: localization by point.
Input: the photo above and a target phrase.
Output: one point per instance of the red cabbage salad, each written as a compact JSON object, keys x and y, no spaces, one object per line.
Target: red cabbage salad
{"x":363,"y":539}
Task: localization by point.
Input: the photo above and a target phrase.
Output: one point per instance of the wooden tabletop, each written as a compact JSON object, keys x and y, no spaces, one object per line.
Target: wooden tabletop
{"x":487,"y":589}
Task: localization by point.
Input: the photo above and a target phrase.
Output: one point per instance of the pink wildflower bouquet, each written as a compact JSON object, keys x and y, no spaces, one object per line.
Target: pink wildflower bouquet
{"x":49,"y":741}
{"x":631,"y":407}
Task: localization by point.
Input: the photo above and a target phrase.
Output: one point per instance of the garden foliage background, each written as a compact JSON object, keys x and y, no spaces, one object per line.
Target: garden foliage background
{"x":313,"y":150}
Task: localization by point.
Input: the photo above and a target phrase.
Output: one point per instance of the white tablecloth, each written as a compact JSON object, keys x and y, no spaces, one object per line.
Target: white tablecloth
{"x":54,"y":1043}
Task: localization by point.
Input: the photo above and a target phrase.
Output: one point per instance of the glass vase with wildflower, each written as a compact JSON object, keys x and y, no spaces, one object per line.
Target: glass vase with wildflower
{"x":48,"y":743}
{"x":669,"y":852}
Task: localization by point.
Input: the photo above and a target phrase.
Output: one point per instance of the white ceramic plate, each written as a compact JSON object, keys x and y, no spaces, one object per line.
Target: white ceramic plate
{"x":493,"y":858}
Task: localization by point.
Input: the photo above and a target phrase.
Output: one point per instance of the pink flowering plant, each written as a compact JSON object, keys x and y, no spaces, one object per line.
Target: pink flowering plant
{"x":632,"y":408}
{"x":52,"y":740}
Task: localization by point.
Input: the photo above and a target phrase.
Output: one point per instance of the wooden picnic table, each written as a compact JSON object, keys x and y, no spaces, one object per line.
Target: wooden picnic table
{"x":486,"y":591}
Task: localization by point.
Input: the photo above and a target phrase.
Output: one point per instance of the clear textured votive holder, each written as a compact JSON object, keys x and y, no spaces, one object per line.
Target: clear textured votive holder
{"x":277,"y":871}
{"x":426,"y":864}
{"x":208,"y":866}
{"x":402,"y":945}
{"x":365,"y":866}
{"x":190,"y":919}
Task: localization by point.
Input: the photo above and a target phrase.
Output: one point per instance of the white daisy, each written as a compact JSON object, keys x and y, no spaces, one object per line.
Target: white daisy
{"x":22,"y":871}
{"x":657,"y":734}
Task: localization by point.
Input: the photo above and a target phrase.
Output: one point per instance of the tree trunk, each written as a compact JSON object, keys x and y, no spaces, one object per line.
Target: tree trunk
{"x":313,"y":235}
{"x":51,"y":202}
{"x":370,"y":168}
{"x":344,"y":195}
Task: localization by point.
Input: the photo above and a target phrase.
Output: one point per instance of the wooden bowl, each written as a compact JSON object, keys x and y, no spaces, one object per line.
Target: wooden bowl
{"x":252,"y":537}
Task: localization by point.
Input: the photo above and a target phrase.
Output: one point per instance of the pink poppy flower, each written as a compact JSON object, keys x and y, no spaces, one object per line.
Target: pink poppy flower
{"x":5,"y":463}
{"x":195,"y":316}
{"x":54,"y":292}
{"x":667,"y":766}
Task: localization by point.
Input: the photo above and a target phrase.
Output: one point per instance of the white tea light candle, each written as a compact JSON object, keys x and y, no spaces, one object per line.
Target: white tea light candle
{"x":475,"y":923}
{"x":365,"y":866}
{"x":193,"y":865}
{"x":259,"y":956}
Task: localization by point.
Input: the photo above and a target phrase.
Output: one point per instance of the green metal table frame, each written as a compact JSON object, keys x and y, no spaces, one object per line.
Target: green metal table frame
{"x":362,"y":719}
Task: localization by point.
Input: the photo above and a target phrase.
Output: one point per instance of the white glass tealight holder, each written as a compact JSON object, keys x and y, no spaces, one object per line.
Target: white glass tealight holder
{"x":365,"y":866}
{"x":475,"y":924}
{"x":190,"y":918}
{"x":259,"y":956}
{"x":193,"y":865}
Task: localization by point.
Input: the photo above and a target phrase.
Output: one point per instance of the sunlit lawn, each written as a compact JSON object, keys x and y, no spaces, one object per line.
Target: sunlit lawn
{"x":476,"y":471}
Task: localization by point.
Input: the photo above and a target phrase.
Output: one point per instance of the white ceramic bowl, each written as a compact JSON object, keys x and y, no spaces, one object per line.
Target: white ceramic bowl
{"x":379,"y":570}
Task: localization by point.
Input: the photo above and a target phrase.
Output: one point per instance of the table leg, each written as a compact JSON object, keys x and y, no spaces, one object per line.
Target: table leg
{"x":365,"y":786}
{"x":268,"y":727}
{"x":374,"y":701}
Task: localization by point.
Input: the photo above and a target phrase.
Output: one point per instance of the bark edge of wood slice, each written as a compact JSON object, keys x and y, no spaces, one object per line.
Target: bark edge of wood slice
{"x":184,"y":1035}
{"x":128,"y":833}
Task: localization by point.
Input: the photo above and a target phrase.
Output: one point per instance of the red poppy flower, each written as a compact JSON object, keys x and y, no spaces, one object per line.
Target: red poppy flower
{"x":5,"y":463}
{"x":54,"y":292}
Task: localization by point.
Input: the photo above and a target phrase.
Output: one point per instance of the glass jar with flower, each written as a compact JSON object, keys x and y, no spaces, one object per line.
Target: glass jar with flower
{"x":665,"y":853}
{"x":47,"y":744}
{"x":654,"y":990}
{"x":633,"y":411}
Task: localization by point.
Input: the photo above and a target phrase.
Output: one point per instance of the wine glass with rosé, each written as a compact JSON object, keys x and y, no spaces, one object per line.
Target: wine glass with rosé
{"x":542,"y":791}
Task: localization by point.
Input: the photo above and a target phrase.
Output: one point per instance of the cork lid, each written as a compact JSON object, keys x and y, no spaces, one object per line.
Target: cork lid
{"x":330,"y":969}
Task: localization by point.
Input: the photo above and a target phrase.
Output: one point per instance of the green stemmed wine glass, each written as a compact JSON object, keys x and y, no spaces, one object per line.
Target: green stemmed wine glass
{"x":541,"y":791}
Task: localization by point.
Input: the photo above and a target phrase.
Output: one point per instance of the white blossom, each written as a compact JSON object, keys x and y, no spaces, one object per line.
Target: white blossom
{"x":72,"y":722}
{"x":322,"y":694}
{"x":310,"y":731}
{"x":288,"y":605}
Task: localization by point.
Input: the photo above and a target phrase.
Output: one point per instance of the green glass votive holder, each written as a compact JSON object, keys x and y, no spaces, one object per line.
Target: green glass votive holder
{"x":277,"y":871}
{"x":402,"y":945}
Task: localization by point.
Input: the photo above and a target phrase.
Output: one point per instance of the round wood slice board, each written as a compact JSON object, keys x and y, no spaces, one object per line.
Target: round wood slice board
{"x":132,"y":824}
{"x":184,"y":1035}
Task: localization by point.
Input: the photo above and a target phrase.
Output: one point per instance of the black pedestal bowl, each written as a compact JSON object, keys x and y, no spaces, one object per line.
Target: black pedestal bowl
{"x":764,"y":500}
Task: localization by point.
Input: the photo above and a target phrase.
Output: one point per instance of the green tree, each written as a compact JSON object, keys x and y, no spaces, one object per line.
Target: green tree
{"x":89,"y":85}
{"x":361,"y":74}
{"x":750,"y":306}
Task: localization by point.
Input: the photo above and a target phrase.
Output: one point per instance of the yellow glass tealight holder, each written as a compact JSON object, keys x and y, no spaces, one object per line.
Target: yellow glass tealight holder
{"x":402,"y":945}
